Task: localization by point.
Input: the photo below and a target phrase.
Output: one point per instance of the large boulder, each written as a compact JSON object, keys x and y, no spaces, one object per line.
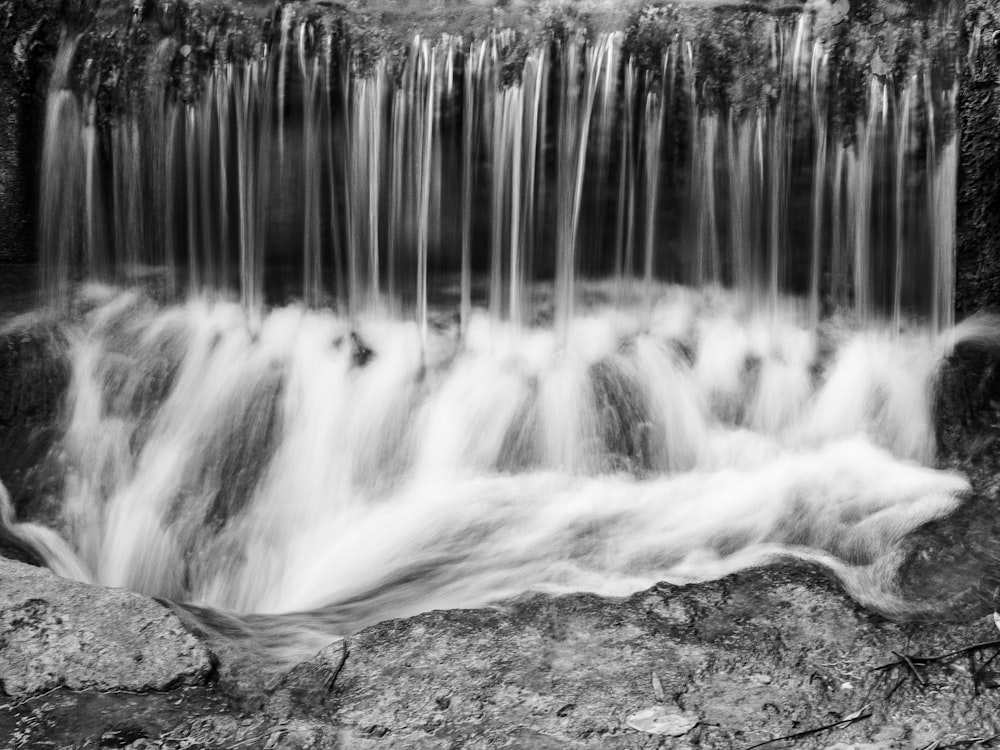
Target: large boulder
{"x":59,"y":633}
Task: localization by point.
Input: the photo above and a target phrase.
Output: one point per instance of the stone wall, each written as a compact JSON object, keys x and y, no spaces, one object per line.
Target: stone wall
{"x":978,"y":241}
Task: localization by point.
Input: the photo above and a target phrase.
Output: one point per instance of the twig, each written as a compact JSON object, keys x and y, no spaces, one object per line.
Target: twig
{"x":862,"y":713}
{"x":906,"y":659}
{"x":941,"y":657}
{"x":972,"y":742}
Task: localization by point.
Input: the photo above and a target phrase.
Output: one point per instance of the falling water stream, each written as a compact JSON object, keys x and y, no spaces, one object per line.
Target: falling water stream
{"x":356,"y":342}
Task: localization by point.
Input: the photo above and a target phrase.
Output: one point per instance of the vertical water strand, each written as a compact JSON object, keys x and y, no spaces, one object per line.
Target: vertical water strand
{"x":514,"y":117}
{"x":208,"y":219}
{"x":474,"y":63}
{"x":312,"y":267}
{"x":943,"y":210}
{"x":601,"y":147}
{"x":692,"y":236}
{"x":860,"y":187}
{"x":704,"y":148}
{"x":92,"y":215}
{"x":577,"y":103}
{"x":262,"y":85}
{"x":119,"y":192}
{"x":285,"y":34}
{"x":902,"y":144}
{"x":333,"y":184}
{"x":499,"y":156}
{"x":223,"y":74}
{"x":838,"y":208}
{"x":153,"y":109}
{"x":778,"y":163}
{"x":373,"y":142}
{"x":533,"y":81}
{"x":136,"y":246}
{"x":191,"y":193}
{"x":61,"y":188}
{"x":364,"y":167}
{"x":173,"y":130}
{"x":653,"y":131}
{"x":428,"y":60}
{"x":566,"y":139}
{"x":399,"y":177}
{"x":625,"y":217}
{"x":757,"y":285}
{"x":243,"y":93}
{"x":128,"y":244}
{"x":818,"y":83}
{"x":745,"y":189}
{"x":796,"y":82}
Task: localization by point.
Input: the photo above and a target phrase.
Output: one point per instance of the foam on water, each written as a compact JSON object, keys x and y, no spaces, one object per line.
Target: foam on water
{"x":301,"y":463}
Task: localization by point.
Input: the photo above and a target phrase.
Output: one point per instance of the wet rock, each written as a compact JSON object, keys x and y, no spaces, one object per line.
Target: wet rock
{"x":34,"y":376}
{"x":569,"y":671}
{"x":55,"y":632}
{"x":951,"y":563}
{"x":978,"y":223}
{"x":753,"y":657}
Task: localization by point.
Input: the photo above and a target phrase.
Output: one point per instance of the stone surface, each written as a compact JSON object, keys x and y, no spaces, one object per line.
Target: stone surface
{"x":978,"y":231}
{"x":756,"y":656}
{"x":55,"y":632}
{"x":34,"y":375}
{"x":753,"y":657}
{"x":952,"y":563}
{"x":28,"y":30}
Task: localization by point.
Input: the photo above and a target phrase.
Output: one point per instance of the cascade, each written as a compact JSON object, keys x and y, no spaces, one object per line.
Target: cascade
{"x":356,"y":336}
{"x":514,"y":161}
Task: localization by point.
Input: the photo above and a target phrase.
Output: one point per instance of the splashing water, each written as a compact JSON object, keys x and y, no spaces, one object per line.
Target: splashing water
{"x":307,"y":464}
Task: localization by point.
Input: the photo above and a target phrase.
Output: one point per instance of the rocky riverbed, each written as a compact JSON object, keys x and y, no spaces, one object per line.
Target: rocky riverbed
{"x":765,"y":654}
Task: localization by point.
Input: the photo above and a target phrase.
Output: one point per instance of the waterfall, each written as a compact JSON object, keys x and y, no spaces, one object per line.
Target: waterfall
{"x":370,"y":469}
{"x":305,"y":173}
{"x":359,"y":336}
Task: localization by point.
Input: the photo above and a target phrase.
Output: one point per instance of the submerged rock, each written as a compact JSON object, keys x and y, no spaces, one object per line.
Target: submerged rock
{"x":59,"y":633}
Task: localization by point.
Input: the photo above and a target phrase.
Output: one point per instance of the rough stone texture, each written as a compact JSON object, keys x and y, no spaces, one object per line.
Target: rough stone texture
{"x":55,"y":632}
{"x":28,"y":29}
{"x":978,"y":231}
{"x":952,"y":563}
{"x":13,"y":193}
{"x":753,"y":657}
{"x":34,"y":376}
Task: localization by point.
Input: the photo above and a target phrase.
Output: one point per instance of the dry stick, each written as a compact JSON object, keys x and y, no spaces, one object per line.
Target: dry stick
{"x":906,"y":659}
{"x":942,"y":657}
{"x":980,"y":741}
{"x":858,"y":716}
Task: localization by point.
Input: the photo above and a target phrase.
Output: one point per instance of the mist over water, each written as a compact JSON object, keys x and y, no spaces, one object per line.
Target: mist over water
{"x":492,"y":319}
